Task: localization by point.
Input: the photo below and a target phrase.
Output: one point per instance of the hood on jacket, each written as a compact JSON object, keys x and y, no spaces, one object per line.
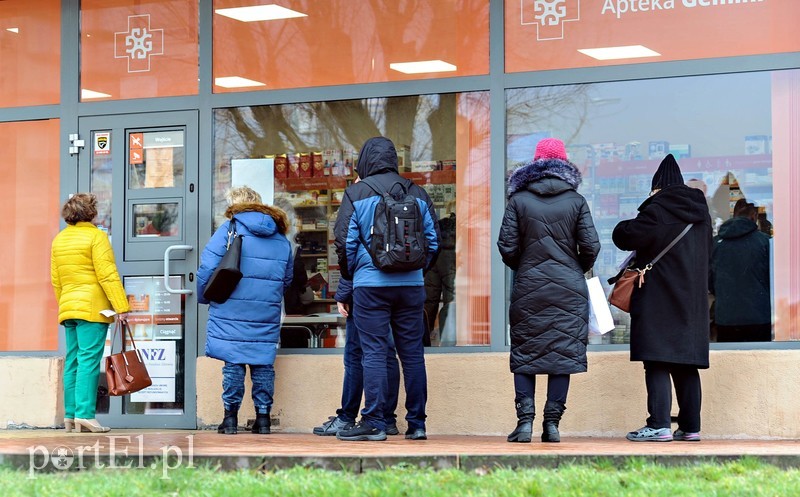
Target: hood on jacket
{"x":537,"y":170}
{"x":378,"y":155}
{"x":260,"y":219}
{"x":737,"y":227}
{"x":686,"y":203}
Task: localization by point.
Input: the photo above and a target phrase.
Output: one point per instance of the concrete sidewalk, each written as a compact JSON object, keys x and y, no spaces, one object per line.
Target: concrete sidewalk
{"x":22,"y":448}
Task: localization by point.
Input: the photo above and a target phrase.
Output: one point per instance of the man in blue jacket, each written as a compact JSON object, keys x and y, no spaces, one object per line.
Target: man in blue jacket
{"x":383,"y":299}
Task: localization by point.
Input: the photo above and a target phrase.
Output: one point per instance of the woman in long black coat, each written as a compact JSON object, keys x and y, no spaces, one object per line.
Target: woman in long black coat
{"x":549,"y":239}
{"x":669,"y":313}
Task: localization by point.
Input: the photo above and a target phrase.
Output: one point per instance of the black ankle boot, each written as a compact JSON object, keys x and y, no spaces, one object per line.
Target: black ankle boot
{"x":261,"y":425}
{"x":552,"y":415}
{"x":522,"y":433}
{"x":230,"y":424}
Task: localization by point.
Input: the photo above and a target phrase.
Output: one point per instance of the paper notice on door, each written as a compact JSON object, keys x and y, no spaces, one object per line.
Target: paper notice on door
{"x":160,"y":171}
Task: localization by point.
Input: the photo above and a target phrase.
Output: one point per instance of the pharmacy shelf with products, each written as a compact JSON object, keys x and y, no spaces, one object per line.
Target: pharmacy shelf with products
{"x":620,"y":186}
{"x":314,"y":184}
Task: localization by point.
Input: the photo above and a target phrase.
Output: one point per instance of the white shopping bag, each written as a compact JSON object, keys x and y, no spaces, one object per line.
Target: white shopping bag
{"x":600,"y":320}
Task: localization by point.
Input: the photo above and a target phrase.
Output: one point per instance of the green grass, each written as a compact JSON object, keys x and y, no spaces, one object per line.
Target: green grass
{"x":635,"y":478}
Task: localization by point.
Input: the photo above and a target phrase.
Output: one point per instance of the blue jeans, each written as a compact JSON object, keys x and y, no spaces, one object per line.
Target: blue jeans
{"x":353,"y":383}
{"x":375,"y":310}
{"x":263,"y":377}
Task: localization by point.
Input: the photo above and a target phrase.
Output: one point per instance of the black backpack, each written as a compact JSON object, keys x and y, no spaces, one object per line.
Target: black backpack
{"x":398,"y":241}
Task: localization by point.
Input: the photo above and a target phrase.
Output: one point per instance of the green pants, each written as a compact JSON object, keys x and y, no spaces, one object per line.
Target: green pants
{"x":85,"y":341}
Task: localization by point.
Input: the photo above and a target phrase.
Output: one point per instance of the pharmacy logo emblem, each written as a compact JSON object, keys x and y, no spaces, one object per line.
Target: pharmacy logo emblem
{"x":138,"y":43}
{"x":549,"y":16}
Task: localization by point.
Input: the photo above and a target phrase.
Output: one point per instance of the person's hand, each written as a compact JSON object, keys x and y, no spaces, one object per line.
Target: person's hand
{"x":344,"y":309}
{"x":122,"y":317}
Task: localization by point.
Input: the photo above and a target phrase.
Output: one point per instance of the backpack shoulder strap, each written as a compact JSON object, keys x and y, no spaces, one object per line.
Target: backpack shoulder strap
{"x":367,"y":181}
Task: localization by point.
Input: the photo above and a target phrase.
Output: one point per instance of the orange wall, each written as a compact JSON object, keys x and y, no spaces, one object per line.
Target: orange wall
{"x":29,"y":187}
{"x":169,"y":66}
{"x":351,"y":41}
{"x":30,"y":57}
{"x":669,"y":27}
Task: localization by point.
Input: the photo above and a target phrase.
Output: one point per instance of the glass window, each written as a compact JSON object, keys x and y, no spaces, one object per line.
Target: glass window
{"x":30,"y":48}
{"x":727,"y":132}
{"x":156,"y":220}
{"x":310,"y":149}
{"x":132,"y":49}
{"x":338,"y":42}
{"x":30,"y":189}
{"x":100,"y":178}
{"x":561,"y":34}
{"x":156,"y":159}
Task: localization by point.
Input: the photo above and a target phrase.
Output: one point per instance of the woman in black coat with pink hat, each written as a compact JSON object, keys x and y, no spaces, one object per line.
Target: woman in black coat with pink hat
{"x":669,"y":313}
{"x":549,"y":240}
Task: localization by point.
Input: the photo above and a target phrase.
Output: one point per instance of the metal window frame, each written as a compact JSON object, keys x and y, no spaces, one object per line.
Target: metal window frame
{"x":497,"y":82}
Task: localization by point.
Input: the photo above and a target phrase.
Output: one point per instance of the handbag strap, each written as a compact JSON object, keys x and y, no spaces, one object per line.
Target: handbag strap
{"x":130,"y":335}
{"x":671,"y":244}
{"x":231,"y":232}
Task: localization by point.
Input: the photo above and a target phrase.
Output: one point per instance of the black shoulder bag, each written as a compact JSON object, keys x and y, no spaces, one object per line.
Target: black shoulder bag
{"x":227,"y":275}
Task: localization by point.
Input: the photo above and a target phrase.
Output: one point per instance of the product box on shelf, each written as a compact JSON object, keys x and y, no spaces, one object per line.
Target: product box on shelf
{"x":657,"y":150}
{"x":281,"y":165}
{"x":423,"y":166}
{"x":404,"y":158}
{"x":448,"y":165}
{"x":332,"y":162}
{"x":294,"y":166}
{"x":757,"y":144}
{"x":317,"y":166}
{"x":305,"y":165}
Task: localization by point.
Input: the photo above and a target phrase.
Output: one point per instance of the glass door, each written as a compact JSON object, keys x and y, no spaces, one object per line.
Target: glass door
{"x":143,"y":169}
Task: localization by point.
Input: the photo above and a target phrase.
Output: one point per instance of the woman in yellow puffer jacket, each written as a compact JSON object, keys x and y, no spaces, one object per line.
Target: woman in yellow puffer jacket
{"x":86,"y":281}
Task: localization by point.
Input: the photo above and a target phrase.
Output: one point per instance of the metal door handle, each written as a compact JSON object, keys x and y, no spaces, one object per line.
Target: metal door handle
{"x":184,"y":291}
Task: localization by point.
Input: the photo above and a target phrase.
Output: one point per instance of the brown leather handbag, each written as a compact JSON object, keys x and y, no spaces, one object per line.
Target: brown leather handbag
{"x":624,"y":282}
{"x":623,"y":289}
{"x":125,"y":371}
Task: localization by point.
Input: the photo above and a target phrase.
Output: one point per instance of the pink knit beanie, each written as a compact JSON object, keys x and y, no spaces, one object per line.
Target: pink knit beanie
{"x":550,"y":148}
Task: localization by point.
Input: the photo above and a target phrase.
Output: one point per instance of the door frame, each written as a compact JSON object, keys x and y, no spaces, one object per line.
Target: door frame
{"x":153,"y":264}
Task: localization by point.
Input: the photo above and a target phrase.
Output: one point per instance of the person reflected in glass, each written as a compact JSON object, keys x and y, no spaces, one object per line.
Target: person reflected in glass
{"x":245,"y":329}
{"x":440,"y":285}
{"x":298,"y":295}
{"x":669,"y":313}
{"x":86,"y":282}
{"x":353,"y":384}
{"x":549,"y":240}
{"x":740,"y":278}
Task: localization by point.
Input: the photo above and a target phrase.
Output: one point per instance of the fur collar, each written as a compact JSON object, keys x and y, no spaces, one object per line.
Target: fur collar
{"x":543,"y":168}
{"x":280,"y":217}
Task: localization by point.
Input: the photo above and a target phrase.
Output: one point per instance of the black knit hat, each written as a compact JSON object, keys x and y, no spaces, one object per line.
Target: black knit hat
{"x":668,"y":174}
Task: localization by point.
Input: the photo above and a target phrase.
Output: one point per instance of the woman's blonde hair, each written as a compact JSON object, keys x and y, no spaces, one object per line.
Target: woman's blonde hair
{"x":81,"y":207}
{"x":243,"y":195}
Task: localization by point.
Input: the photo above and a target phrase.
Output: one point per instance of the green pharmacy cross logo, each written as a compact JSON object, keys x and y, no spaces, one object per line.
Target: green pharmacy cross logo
{"x":138,"y":43}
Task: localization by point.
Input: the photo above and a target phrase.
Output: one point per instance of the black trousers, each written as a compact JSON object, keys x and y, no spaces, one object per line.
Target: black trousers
{"x":557,"y":386}
{"x":686,"y":378}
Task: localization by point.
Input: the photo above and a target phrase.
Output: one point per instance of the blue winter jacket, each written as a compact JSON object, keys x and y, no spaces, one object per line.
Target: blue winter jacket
{"x":378,"y":161}
{"x":245,"y":329}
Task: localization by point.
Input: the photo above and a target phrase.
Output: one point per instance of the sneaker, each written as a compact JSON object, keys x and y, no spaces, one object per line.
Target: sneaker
{"x":647,"y":434}
{"x":391,"y":428}
{"x":332,"y":426}
{"x":683,"y":436}
{"x":418,"y":434}
{"x":362,"y":432}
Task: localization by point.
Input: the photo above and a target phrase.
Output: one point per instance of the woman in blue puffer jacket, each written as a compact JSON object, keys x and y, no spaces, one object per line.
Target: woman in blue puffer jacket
{"x":245,"y":329}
